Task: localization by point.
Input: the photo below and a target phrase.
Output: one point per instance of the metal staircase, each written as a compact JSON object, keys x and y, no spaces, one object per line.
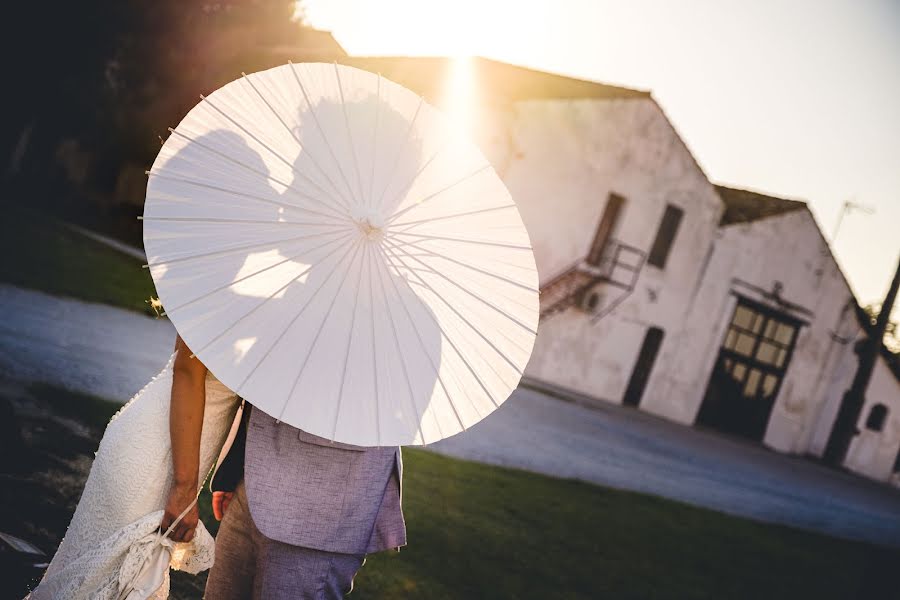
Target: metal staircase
{"x":618,"y":268}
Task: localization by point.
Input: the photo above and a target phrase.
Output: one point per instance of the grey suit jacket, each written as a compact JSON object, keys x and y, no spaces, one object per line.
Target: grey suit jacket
{"x":305,"y":490}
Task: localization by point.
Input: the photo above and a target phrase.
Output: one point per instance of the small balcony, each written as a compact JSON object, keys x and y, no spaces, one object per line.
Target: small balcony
{"x":619,"y":266}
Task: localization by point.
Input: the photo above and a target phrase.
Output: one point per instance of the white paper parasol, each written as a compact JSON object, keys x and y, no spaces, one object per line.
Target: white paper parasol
{"x":335,"y":253}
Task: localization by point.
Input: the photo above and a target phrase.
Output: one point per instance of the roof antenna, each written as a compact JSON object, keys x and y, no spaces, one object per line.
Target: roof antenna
{"x":848,"y":207}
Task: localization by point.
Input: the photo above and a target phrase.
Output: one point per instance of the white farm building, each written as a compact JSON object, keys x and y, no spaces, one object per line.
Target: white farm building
{"x":704,"y":305}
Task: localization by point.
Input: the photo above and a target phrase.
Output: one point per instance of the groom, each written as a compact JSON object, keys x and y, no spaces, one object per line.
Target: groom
{"x":300,"y":512}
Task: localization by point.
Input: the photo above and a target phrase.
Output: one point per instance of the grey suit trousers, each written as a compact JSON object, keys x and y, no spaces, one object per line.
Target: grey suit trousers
{"x":251,"y":565}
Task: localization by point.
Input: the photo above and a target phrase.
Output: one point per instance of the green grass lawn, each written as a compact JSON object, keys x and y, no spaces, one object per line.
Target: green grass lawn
{"x":478,"y":531}
{"x":41,"y":253}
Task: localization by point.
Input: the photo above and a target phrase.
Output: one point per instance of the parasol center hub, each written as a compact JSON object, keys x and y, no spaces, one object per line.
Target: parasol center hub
{"x":370,"y":230}
{"x":369,"y":223}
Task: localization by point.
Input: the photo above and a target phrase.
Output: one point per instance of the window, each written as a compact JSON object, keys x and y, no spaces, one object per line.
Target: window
{"x":605,"y":229}
{"x":877,"y":416}
{"x":668,"y":228}
{"x":756,"y":349}
{"x":769,"y":346}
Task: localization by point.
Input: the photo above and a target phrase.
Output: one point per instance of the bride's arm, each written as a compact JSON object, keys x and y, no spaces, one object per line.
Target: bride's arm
{"x":185,"y":425}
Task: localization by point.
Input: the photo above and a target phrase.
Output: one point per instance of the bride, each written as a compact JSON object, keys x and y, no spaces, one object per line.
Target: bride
{"x":134,"y":490}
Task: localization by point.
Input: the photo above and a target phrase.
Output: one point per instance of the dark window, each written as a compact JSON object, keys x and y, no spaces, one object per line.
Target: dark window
{"x":668,"y":228}
{"x":877,"y":416}
{"x":605,"y":229}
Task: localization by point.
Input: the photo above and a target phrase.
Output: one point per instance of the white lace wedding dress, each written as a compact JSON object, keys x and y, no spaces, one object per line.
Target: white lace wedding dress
{"x":123,"y":500}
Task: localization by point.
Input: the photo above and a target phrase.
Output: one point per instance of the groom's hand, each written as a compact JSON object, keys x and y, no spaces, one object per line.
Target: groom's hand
{"x":180,"y":496}
{"x":220,"y":502}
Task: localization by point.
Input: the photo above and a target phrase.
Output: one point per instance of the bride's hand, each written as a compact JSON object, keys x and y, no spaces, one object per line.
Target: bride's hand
{"x":180,"y":496}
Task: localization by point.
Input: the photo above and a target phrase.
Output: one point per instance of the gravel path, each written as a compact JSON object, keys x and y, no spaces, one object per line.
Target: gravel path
{"x":626,"y":449}
{"x":113,"y":353}
{"x":82,"y":346}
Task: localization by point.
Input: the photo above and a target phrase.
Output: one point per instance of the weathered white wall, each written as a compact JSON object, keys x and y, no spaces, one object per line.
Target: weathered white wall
{"x":838,"y":377}
{"x":873,"y":453}
{"x":560,"y":160}
{"x":749,"y":259}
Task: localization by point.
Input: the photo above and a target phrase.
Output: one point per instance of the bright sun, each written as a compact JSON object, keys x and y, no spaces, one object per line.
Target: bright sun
{"x":426,"y":27}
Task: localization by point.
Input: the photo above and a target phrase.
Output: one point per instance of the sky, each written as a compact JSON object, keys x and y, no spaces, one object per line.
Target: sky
{"x":798,"y":99}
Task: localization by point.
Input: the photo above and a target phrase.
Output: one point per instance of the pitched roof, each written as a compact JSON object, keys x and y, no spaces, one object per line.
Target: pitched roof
{"x":310,"y":44}
{"x":498,"y":81}
{"x":743,"y":206}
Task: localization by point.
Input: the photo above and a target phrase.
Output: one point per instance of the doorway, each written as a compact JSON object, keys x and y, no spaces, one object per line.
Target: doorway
{"x":749,"y":370}
{"x":642,"y":368}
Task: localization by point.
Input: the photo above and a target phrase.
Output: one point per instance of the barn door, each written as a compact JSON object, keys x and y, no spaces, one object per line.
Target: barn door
{"x":749,"y":370}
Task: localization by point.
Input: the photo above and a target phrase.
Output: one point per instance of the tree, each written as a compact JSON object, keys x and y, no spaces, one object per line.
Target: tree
{"x":892,"y":331}
{"x":95,"y":84}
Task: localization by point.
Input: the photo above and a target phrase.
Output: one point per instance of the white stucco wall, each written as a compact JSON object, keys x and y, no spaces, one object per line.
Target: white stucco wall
{"x":560,"y":160}
{"x":873,"y":453}
{"x":839,"y":376}
{"x":749,"y":259}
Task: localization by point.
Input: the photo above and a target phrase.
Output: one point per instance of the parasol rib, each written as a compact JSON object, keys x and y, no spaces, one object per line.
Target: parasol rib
{"x":374,"y":354}
{"x":401,"y":147}
{"x":312,"y":346}
{"x":309,"y":300}
{"x":297,"y":139}
{"x":435,"y":368}
{"x":226,"y":251}
{"x":319,"y":127}
{"x":523,"y":286}
{"x":400,"y":354}
{"x":337,"y":76}
{"x":494,"y":260}
{"x":459,"y":353}
{"x":466,"y":321}
{"x":460,"y":240}
{"x":466,"y":289}
{"x":245,"y":221}
{"x":274,"y":153}
{"x":453,"y":216}
{"x":266,"y":174}
{"x":288,"y":205}
{"x":459,"y":181}
{"x":500,"y":332}
{"x":368,"y":198}
{"x":262,"y":303}
{"x":405,"y":189}
{"x":231,"y":283}
{"x":460,"y":286}
{"x":337,"y":410}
